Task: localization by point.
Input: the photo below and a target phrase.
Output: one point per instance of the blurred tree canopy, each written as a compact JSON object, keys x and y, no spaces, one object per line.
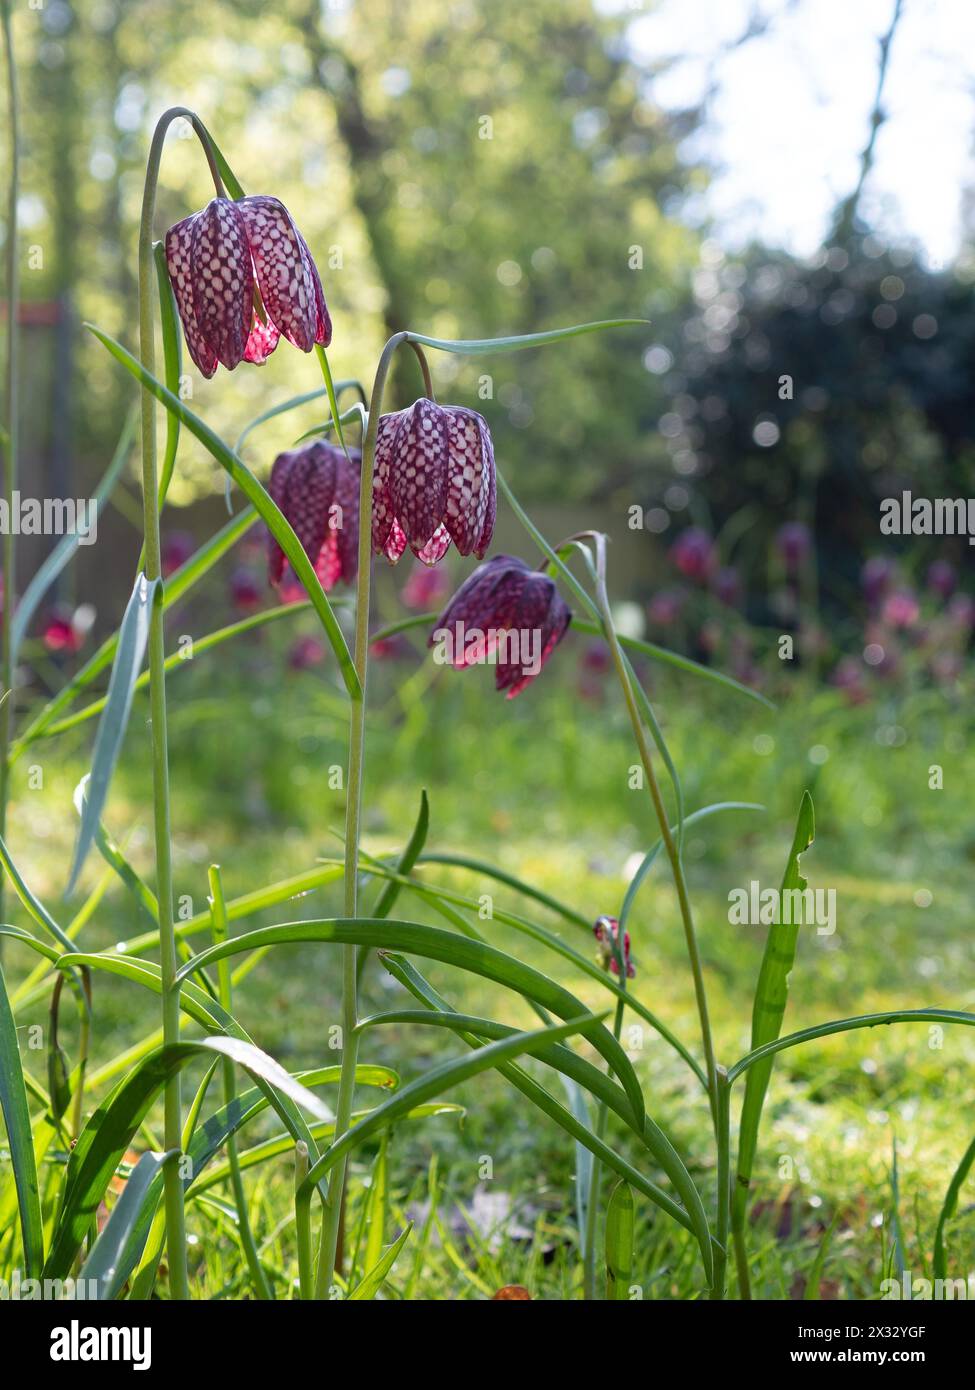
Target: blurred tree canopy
{"x":471,"y":168}
{"x":466,"y":169}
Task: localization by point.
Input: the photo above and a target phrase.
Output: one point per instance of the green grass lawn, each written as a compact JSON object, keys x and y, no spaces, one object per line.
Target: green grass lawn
{"x":539,"y":786}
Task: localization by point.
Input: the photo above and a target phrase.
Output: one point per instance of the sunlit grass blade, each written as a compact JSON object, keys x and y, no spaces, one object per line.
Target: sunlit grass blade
{"x":103,"y":1268}
{"x":414,"y":847}
{"x":771,"y":995}
{"x":478,"y":866}
{"x":811,"y":1293}
{"x":34,"y":906}
{"x":108,"y":1134}
{"x":258,"y":496}
{"x":20,"y":1139}
{"x":435,"y":894}
{"x":374,"y":1279}
{"x":948,"y":1208}
{"x":595,"y":1082}
{"x":133,"y":636}
{"x":61,"y":555}
{"x":847,"y":1025}
{"x":452,"y":949}
{"x":439,"y":1079}
{"x":619,"y":1242}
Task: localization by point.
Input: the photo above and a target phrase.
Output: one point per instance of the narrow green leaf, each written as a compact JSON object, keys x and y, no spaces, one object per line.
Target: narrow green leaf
{"x":619,"y":1243}
{"x":811,"y":1292}
{"x":133,"y":636}
{"x":68,"y":544}
{"x":450,"y":948}
{"x":177,"y":586}
{"x":104,"y":1139}
{"x":481,"y":346}
{"x":771,"y":994}
{"x":103,"y":1267}
{"x":178,"y":662}
{"x":439,"y":1079}
{"x":16,"y":1117}
{"x":948,"y":1208}
{"x":276,"y":521}
{"x":374,"y":1279}
{"x":391,"y":891}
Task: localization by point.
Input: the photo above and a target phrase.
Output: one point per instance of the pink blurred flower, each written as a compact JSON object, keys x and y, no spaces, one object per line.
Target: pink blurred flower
{"x":793,"y":542}
{"x":245,"y":591}
{"x":665,"y":606}
{"x":177,"y":547}
{"x":901,"y":609}
{"x":425,"y":588}
{"x":65,"y":631}
{"x":694,"y":554}
{"x":306,"y":651}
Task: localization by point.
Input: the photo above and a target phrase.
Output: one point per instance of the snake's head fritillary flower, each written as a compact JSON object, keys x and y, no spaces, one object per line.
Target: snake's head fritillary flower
{"x":434,"y":483}
{"x":305,"y":653}
{"x":694,"y":554}
{"x":607,"y":933}
{"x":942,"y":578}
{"x":875,"y":578}
{"x":65,"y":629}
{"x":726,"y":585}
{"x":666,"y":605}
{"x":317,"y":489}
{"x":226,"y":261}
{"x":506,"y":615}
{"x":177,"y":547}
{"x":245,"y":591}
{"x":901,"y":609}
{"x":793,"y":542}
{"x":425,"y":588}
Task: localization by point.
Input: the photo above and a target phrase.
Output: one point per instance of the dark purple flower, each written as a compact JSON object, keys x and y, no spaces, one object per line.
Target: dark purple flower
{"x":694,"y":554}
{"x":942,"y":578}
{"x":318,"y":491}
{"x":665,"y":606}
{"x":220,"y":259}
{"x":961,"y":610}
{"x":306,"y":652}
{"x":596,"y":658}
{"x":793,"y":543}
{"x":607,"y":933}
{"x":875,"y":578}
{"x":434,"y":483}
{"x":726,"y":585}
{"x":504,"y":614}
{"x":177,"y":547}
{"x":245,"y":592}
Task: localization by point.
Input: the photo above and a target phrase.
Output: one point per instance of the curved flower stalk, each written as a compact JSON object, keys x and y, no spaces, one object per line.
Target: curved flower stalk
{"x":243,"y":277}
{"x":8,"y":434}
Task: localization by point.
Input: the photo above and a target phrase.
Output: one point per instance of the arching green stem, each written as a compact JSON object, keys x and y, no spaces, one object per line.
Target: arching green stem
{"x":173,"y":1189}
{"x":353,"y":817}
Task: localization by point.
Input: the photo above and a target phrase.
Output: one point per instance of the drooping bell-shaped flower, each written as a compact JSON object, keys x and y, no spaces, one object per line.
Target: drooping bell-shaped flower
{"x":506,"y":615}
{"x":317,"y":489}
{"x":434,"y":483}
{"x":225,"y":261}
{"x":607,"y":933}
